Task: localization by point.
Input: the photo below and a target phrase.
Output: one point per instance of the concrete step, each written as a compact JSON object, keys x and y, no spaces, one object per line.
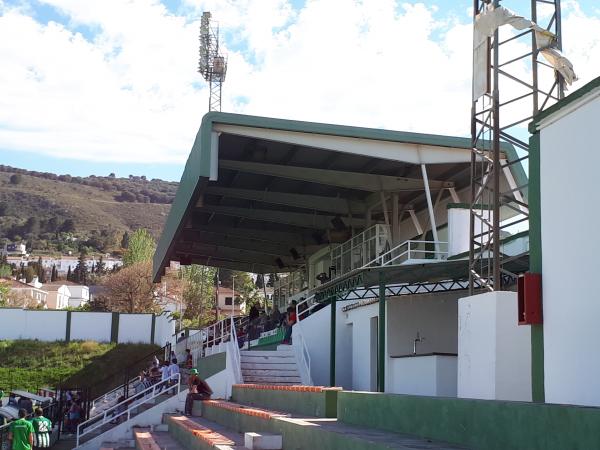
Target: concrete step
{"x":165,"y":441}
{"x":289,"y":359}
{"x":197,"y":433}
{"x":284,"y":352}
{"x":268,"y":366}
{"x":314,"y":433}
{"x":269,"y":372}
{"x":257,"y":379}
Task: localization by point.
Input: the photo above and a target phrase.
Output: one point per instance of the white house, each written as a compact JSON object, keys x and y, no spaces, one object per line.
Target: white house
{"x":18,"y":288}
{"x":58,"y":295}
{"x":226,"y":305}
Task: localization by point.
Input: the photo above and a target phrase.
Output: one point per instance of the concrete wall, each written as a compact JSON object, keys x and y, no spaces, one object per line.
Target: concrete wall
{"x":92,"y":326}
{"x":52,"y":325}
{"x":30,"y":324}
{"x":315,"y":329}
{"x":434,"y":316}
{"x":135,"y":328}
{"x":358,"y":322}
{"x":494,"y":353}
{"x":569,"y":158}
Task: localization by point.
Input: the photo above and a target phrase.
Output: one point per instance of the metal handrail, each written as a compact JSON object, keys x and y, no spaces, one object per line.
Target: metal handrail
{"x":110,"y":395}
{"x":236,"y":354}
{"x":96,"y":422}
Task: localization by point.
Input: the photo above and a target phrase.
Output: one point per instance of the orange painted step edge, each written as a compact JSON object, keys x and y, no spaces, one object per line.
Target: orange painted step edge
{"x":146,"y":441}
{"x":294,"y":388}
{"x":201,"y":432}
{"x":265,"y":414}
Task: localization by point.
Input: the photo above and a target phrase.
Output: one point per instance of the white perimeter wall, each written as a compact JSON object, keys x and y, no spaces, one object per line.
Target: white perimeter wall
{"x":315,"y":329}
{"x":135,"y":328}
{"x":91,"y":326}
{"x":494,"y":352}
{"x":26,"y":324}
{"x":49,"y":325}
{"x":569,"y":161}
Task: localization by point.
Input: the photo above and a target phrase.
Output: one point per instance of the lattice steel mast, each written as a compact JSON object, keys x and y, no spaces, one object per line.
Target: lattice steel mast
{"x":510,"y":87}
{"x":212,"y":65}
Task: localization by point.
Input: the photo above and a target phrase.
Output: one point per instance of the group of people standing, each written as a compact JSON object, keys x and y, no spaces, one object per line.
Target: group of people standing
{"x":30,"y":434}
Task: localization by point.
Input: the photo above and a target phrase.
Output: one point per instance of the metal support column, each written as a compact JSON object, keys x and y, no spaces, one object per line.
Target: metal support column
{"x":332,"y":341}
{"x":381,"y":339}
{"x":430,"y":209}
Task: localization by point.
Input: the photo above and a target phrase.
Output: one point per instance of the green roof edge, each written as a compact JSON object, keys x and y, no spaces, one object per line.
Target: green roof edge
{"x":569,"y":99}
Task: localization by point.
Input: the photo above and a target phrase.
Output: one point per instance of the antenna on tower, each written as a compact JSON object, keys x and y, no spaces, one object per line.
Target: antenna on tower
{"x":212,"y":65}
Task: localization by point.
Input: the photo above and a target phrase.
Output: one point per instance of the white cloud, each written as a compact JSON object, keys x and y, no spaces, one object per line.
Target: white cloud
{"x":131,"y":93}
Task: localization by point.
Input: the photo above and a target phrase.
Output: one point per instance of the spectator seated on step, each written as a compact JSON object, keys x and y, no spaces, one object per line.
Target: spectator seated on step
{"x":198,"y":390}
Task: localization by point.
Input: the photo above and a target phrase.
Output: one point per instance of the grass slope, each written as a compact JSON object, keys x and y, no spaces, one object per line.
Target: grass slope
{"x":30,"y":365}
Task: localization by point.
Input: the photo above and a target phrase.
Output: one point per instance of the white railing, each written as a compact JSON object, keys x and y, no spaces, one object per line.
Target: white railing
{"x":360,"y":249}
{"x":106,"y":400}
{"x":304,"y":308}
{"x":210,"y":336}
{"x":303,"y":355}
{"x":411,"y":250}
{"x":236,"y":357}
{"x":126,"y":407}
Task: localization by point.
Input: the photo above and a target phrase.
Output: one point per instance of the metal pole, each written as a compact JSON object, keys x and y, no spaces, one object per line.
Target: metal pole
{"x":430,"y":208}
{"x":233,"y":298}
{"x":497,"y":283}
{"x":333,"y":299}
{"x":381,"y":340}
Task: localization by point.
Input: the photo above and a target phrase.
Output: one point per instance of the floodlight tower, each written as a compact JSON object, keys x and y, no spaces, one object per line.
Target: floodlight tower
{"x":212,"y":65}
{"x":516,"y":74}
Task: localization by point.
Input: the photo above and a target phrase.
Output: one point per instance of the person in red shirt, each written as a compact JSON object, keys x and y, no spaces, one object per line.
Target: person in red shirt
{"x":199,"y":390}
{"x":289,"y":322}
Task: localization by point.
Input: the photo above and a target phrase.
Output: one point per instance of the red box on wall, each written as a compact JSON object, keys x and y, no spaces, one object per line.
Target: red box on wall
{"x":529,"y":288}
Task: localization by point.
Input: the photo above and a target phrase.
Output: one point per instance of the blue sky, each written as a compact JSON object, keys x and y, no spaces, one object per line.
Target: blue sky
{"x":99,"y":87}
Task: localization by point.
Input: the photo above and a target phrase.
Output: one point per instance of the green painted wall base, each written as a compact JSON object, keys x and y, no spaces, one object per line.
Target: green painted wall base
{"x":315,"y":404}
{"x":296,"y":433}
{"x":211,"y":365}
{"x":477,"y":424}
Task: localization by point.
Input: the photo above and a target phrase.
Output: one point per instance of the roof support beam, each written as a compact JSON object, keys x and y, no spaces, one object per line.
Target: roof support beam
{"x":261,"y":235}
{"x":335,"y":205}
{"x":238,"y":242}
{"x":316,"y":221}
{"x":350,"y":180}
{"x":234,"y":265}
{"x":234,"y":255}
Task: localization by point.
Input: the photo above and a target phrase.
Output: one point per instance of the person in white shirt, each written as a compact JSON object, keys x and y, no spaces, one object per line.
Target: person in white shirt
{"x":173,"y":371}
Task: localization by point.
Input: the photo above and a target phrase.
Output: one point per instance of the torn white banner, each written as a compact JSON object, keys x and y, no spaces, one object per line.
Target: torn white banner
{"x":487,"y":22}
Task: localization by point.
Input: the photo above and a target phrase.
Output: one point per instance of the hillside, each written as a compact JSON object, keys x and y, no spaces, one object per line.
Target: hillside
{"x":56,"y":213}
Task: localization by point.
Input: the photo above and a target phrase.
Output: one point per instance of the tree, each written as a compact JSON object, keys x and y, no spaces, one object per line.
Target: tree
{"x":4,"y":290}
{"x":100,"y":267}
{"x":272,"y":278}
{"x":68,"y":226}
{"x":130,"y":289}
{"x":125,"y":240}
{"x":141,"y":248}
{"x":81,"y":270}
{"x":198,"y":293}
{"x":3,"y":209}
{"x":69,"y":274}
{"x":29,"y":274}
{"x":111,"y":175}
{"x":41,"y":273}
{"x":54,"y":274}
{"x":16,"y":178}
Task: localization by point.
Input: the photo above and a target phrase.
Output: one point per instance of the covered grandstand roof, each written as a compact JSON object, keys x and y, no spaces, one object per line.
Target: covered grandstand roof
{"x":261,"y":194}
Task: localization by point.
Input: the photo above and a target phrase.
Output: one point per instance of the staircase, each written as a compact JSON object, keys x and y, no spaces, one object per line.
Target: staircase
{"x":277,"y":367}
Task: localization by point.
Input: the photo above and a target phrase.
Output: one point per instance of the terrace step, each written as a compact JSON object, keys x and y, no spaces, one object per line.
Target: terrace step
{"x":197,"y":432}
{"x":270,"y":367}
{"x":311,"y":432}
